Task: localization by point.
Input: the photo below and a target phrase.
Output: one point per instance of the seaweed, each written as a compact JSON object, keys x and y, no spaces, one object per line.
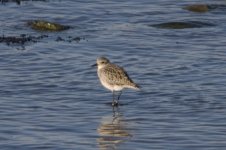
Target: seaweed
{"x":69,"y":39}
{"x":18,"y":1}
{"x":20,"y":40}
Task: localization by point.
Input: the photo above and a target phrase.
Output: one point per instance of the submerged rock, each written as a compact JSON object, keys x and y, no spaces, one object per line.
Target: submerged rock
{"x":182,"y":25}
{"x":202,"y":8}
{"x":46,"y":26}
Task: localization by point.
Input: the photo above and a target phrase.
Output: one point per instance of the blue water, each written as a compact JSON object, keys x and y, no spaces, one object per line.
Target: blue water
{"x":51,"y":98}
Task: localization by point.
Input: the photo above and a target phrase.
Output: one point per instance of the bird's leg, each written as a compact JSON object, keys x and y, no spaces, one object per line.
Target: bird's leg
{"x":114,"y":102}
{"x":117,"y":101}
{"x":113,"y":98}
{"x":113,"y":95}
{"x":120,"y":93}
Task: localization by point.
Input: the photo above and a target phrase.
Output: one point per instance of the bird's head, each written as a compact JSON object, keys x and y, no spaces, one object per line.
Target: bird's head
{"x":101,"y":62}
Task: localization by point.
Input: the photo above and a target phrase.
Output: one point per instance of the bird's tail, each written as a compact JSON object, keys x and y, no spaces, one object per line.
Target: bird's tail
{"x":135,"y":86}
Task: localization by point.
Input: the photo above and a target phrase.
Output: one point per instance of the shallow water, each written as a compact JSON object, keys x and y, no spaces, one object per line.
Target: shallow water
{"x":51,"y":98}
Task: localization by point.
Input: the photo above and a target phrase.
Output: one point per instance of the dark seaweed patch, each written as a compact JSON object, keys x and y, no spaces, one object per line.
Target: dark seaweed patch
{"x":19,"y":1}
{"x":20,"y":40}
{"x":24,"y":39}
{"x":69,"y":39}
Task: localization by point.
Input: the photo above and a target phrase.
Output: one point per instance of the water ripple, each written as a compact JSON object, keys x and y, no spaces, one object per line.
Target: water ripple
{"x":51,"y":98}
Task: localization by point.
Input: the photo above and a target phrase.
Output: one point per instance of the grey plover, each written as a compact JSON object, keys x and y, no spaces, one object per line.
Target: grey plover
{"x":114,"y":78}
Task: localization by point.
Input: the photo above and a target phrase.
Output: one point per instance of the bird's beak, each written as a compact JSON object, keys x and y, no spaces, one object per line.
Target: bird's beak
{"x":94,"y":65}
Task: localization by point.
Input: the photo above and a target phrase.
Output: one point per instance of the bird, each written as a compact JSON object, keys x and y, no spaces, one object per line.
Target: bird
{"x":113,"y":78}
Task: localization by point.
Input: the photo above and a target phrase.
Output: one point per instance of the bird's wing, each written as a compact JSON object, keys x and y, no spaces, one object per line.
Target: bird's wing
{"x":117,"y":75}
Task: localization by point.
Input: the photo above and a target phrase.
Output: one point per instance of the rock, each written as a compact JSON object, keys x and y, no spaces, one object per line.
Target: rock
{"x":201,"y":8}
{"x":181,"y":25}
{"x":42,"y":25}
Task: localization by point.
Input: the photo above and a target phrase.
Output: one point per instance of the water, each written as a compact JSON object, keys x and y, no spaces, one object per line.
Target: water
{"x":51,"y":98}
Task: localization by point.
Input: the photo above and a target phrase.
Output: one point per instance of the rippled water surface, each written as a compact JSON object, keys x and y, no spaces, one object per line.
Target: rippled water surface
{"x":51,"y":98}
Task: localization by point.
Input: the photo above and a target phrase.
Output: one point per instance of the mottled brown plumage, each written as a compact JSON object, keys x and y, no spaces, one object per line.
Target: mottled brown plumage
{"x":115,"y":75}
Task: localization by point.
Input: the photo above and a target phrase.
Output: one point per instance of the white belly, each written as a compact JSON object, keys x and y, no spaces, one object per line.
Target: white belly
{"x":111,"y":87}
{"x":106,"y":82}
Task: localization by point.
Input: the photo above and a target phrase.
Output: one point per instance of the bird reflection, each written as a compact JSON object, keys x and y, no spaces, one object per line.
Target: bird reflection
{"x":112,"y":131}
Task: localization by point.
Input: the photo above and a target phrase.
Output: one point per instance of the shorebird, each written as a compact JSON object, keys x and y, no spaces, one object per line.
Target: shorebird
{"x":114,"y":78}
